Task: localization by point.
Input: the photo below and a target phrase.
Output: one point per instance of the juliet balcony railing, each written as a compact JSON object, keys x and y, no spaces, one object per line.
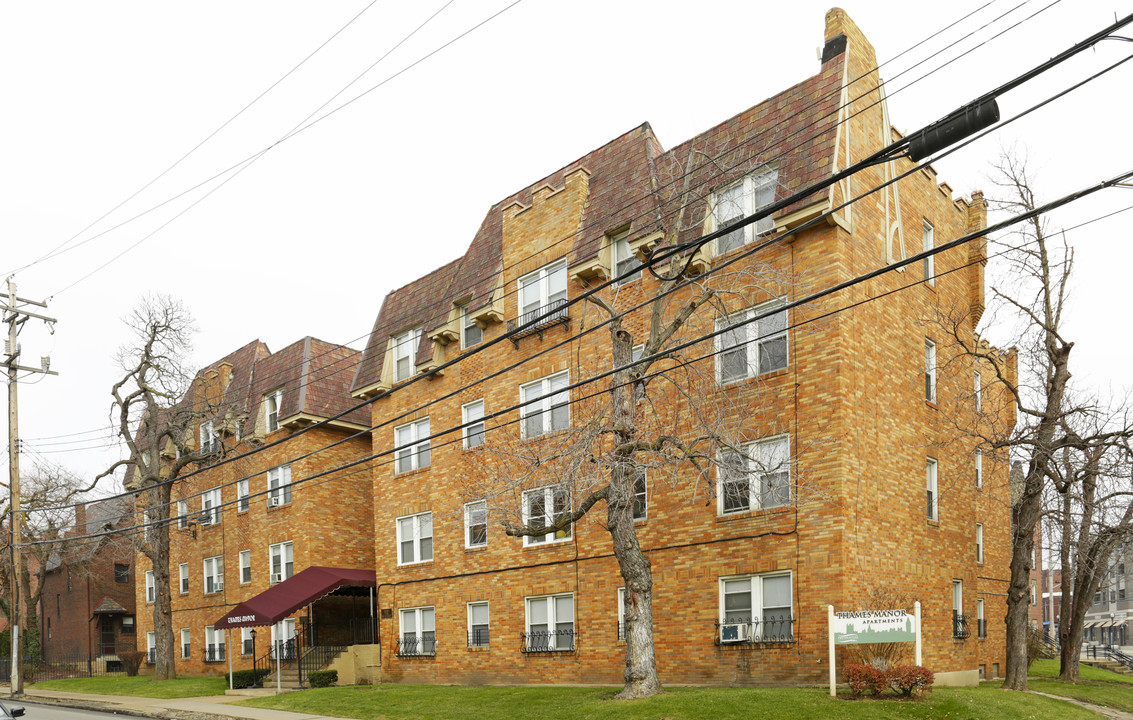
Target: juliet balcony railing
{"x":771,"y":629}
{"x":960,"y":628}
{"x":214,"y":653}
{"x":536,"y":321}
{"x":546,"y":641}
{"x":478,"y":637}
{"x":414,"y":646}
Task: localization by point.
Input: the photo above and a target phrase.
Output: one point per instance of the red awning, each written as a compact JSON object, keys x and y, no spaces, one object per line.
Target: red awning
{"x":280,"y":601}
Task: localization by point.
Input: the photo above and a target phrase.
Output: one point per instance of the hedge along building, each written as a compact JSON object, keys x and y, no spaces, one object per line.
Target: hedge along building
{"x":832,"y":467}
{"x":244,"y":527}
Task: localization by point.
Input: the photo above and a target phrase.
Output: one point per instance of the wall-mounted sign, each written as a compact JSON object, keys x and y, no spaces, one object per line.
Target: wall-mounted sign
{"x":874,"y":626}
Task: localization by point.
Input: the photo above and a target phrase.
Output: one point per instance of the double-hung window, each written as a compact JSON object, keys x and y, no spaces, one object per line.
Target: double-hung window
{"x":272,"y":402}
{"x":546,"y":508}
{"x":758,"y":477}
{"x":623,"y":260}
{"x":621,"y":613}
{"x":931,"y":489}
{"x":981,"y":621}
{"x":979,"y":542}
{"x":183,"y":578}
{"x":247,"y":644}
{"x":186,"y":644}
{"x":210,"y":507}
{"x":979,"y":461}
{"x":210,"y":441}
{"x":242,"y":495}
{"x":928,"y":242}
{"x":749,"y":195}
{"x":151,"y":589}
{"x":281,"y":558}
{"x":929,"y":370}
{"x":756,"y":608}
{"x":550,"y":623}
{"x":470,"y":333}
{"x":214,"y":644}
{"x":214,"y":574}
{"x":977,"y":391}
{"x":418,"y":631}
{"x":182,"y":514}
{"x":412,"y":445}
{"x":640,"y":494}
{"x":958,"y":620}
{"x":404,"y":353}
{"x":541,"y":292}
{"x":473,"y":414}
{"x":478,"y":630}
{"x":415,"y":538}
{"x":746,"y":349}
{"x":545,"y":405}
{"x":476,"y":524}
{"x":279,"y":486}
{"x":245,"y":567}
{"x":151,"y":647}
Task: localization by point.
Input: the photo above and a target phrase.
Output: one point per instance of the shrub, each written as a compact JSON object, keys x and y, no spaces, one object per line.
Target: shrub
{"x":322,"y":678}
{"x":864,"y":677}
{"x":910,"y":680}
{"x":131,"y":661}
{"x":246,"y":678}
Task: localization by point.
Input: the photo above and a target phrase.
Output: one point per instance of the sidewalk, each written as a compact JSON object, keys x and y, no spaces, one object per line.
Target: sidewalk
{"x":198,"y":708}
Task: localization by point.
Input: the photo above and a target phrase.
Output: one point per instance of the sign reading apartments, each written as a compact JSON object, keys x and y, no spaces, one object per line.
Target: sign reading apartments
{"x":865,"y":627}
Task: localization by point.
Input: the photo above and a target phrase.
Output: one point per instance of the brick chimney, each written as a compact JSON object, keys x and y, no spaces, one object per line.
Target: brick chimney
{"x":81,"y":517}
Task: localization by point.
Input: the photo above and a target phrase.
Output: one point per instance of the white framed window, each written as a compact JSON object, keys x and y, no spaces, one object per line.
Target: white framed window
{"x":929,"y":370}
{"x":622,"y":259}
{"x":979,"y":542}
{"x":957,"y":608}
{"x":272,"y":402}
{"x":931,"y":489}
{"x":247,"y":646}
{"x":279,"y":486}
{"x":747,"y":349}
{"x":151,"y":589}
{"x":186,"y":644}
{"x":622,"y":614}
{"x":473,"y":416}
{"x":151,"y":646}
{"x":756,"y":608}
{"x":550,"y":623}
{"x":640,"y":494}
{"x":978,"y":391}
{"x":756,"y":479}
{"x":210,"y":441}
{"x":183,"y":578}
{"x":145,"y":526}
{"x":754,"y":192}
{"x":415,"y":538}
{"x":979,"y":462}
{"x":470,"y":333}
{"x":418,"y":631}
{"x":404,"y":353}
{"x":928,"y":242}
{"x":182,"y":514}
{"x":543,"y":508}
{"x":210,"y":507}
{"x":476,"y":524}
{"x":411,"y":445}
{"x":214,"y":644}
{"x":242,"y":494}
{"x":245,"y":567}
{"x":981,"y":621}
{"x":281,"y":560}
{"x":639,"y":390}
{"x":214,"y":574}
{"x":545,"y":405}
{"x":282,"y":635}
{"x":478,"y":626}
{"x":542,"y":291}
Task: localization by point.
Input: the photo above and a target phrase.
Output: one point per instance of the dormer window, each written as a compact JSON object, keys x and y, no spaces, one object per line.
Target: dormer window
{"x":470,"y":333}
{"x":272,"y":403}
{"x":404,"y":349}
{"x":209,"y":439}
{"x":622,"y":258}
{"x":739,"y":200}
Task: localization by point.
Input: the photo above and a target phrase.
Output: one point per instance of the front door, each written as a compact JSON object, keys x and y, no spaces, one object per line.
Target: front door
{"x":107,"y":636}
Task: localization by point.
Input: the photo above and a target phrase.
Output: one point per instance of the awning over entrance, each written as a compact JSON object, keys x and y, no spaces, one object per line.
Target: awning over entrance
{"x":109,"y":606}
{"x":299,"y":590}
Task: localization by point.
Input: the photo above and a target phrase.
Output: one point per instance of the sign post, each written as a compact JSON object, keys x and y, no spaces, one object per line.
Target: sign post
{"x":917,"y":615}
{"x":830,"y":632}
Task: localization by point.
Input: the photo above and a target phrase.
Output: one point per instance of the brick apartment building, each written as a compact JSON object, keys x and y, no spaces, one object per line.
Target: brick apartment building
{"x":87,"y":605}
{"x":855,"y":480}
{"x":240,"y":527}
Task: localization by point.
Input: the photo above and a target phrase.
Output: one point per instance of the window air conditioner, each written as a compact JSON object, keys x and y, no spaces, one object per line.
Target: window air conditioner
{"x":218,"y":587}
{"x":277,"y":577}
{"x":205,"y":518}
{"x":275,"y":502}
{"x":733,"y":632}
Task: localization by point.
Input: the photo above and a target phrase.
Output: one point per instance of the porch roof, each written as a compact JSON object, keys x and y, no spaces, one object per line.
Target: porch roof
{"x":299,"y":590}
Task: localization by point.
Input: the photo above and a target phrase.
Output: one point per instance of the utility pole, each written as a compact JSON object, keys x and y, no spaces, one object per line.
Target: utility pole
{"x":16,"y":316}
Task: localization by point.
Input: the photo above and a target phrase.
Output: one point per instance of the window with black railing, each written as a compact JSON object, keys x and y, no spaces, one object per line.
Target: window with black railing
{"x":478,"y":637}
{"x":960,"y":629}
{"x":539,"y":641}
{"x":214,"y":653}
{"x":981,"y":628}
{"x":621,"y":631}
{"x":423,"y":645}
{"x":151,"y":656}
{"x":768,"y":629}
{"x":536,"y":319}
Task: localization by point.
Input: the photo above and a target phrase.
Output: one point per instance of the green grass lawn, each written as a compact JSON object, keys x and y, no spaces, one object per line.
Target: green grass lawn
{"x":1097,"y":686}
{"x":418,"y":702}
{"x":139,"y":686}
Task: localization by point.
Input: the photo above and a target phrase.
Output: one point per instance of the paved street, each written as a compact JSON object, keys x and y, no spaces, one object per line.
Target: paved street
{"x":54,"y":712}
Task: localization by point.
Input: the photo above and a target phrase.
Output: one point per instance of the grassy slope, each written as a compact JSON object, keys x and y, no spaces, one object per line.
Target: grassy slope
{"x":1097,"y":686}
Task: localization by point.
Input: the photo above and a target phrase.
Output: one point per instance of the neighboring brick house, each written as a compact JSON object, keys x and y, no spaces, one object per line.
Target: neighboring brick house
{"x":242,"y":527}
{"x":87,"y":605}
{"x":878,"y":490}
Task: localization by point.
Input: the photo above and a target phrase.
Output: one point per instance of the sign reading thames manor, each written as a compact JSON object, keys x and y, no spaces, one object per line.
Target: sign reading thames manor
{"x":873,"y":626}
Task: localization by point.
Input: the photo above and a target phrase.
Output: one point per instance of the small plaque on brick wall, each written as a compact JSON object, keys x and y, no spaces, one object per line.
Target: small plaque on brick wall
{"x":387,"y":613}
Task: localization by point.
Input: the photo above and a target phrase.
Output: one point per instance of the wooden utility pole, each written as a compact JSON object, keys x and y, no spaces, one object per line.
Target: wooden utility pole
{"x":15,"y":316}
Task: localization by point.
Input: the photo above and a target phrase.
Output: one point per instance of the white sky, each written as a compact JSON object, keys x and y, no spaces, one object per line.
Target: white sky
{"x":101,"y":97}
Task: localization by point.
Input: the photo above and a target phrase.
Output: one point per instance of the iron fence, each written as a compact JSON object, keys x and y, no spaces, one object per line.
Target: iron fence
{"x":59,"y":666}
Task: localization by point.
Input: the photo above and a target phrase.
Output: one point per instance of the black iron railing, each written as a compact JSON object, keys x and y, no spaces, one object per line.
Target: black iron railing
{"x":981,"y":628}
{"x":960,"y":629}
{"x":534,"y":321}
{"x":214,"y":653}
{"x":284,"y":651}
{"x":540,"y":641}
{"x":414,"y":646}
{"x":151,"y":657}
{"x":755,"y":631}
{"x":478,"y":637}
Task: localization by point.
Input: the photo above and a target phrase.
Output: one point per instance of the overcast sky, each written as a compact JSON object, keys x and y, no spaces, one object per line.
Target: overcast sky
{"x":100,"y":98}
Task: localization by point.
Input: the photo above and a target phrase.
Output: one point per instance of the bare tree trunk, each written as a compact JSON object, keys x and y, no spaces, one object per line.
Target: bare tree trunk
{"x":1018,"y":592}
{"x":164,"y":665}
{"x":1069,"y":642}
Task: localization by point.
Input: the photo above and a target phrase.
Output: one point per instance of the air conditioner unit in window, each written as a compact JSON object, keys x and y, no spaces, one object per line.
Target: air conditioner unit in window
{"x":205,"y":518}
{"x":275,"y":502}
{"x":276,"y":578}
{"x":218,"y":587}
{"x":734,"y":632}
